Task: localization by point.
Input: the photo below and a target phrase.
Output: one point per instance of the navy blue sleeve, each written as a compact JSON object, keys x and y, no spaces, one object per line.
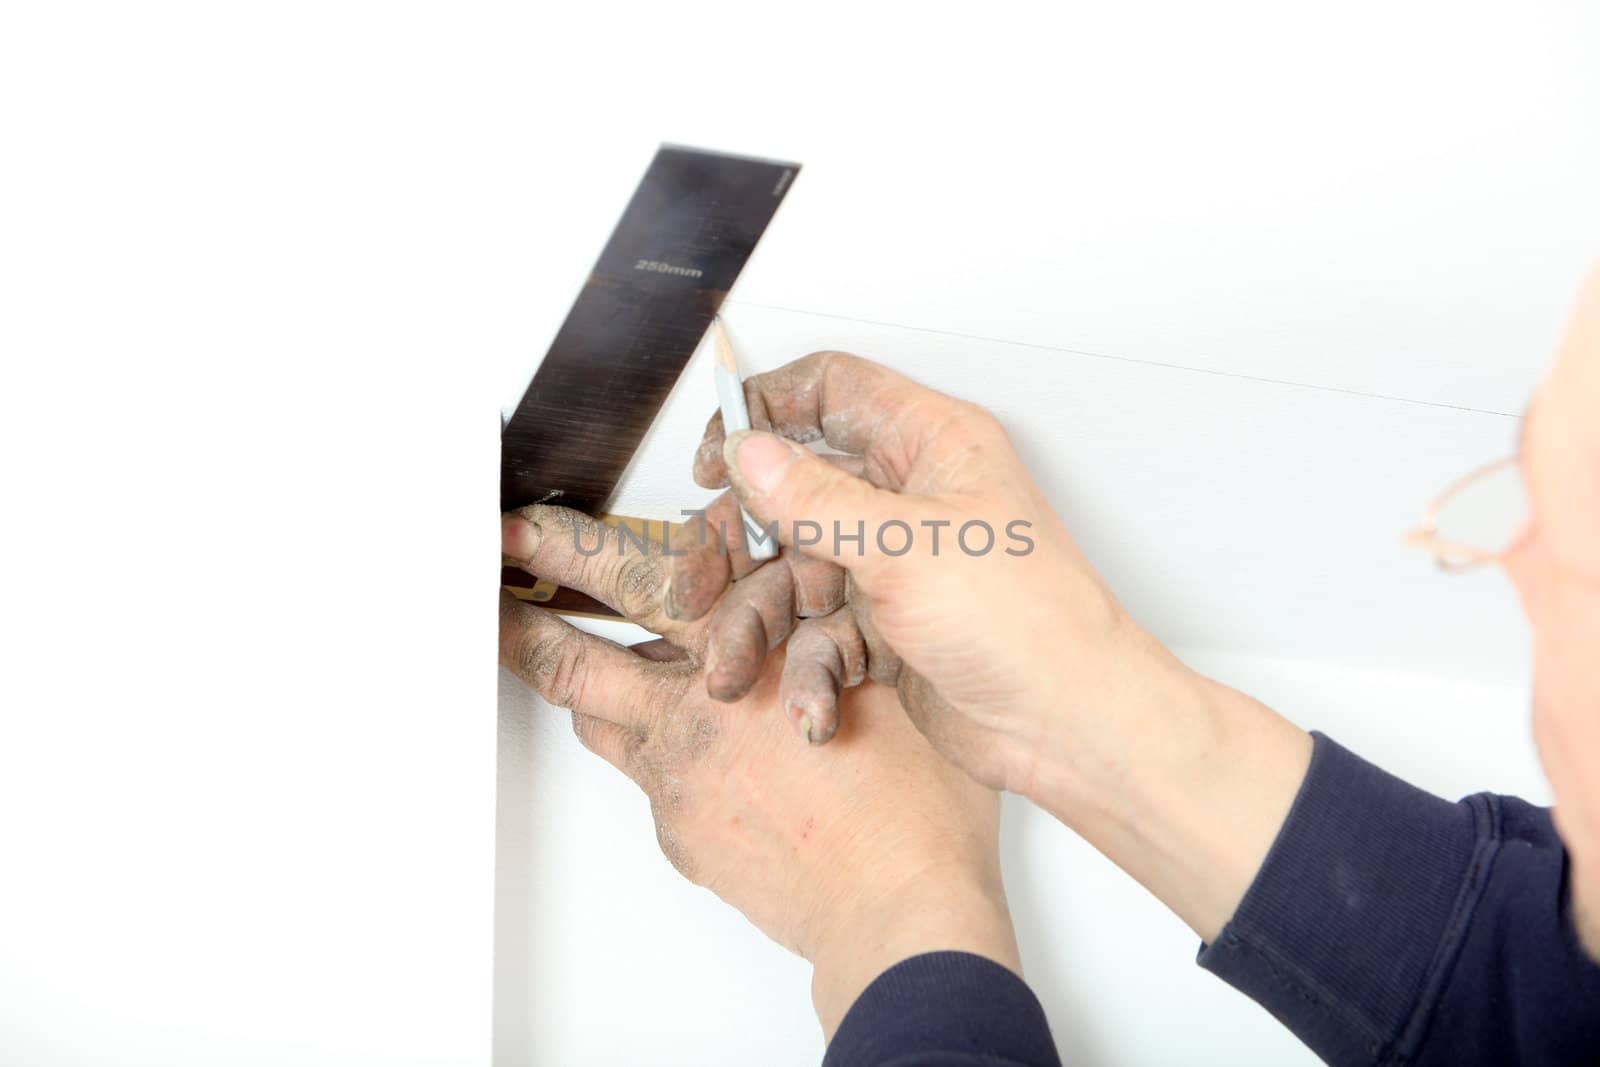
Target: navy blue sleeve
{"x":944,"y":1009}
{"x":1388,"y":926}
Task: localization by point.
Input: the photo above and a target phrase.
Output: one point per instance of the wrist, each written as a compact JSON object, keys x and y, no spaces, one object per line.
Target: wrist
{"x":939,"y":909}
{"x":1083,"y":757}
{"x":1178,"y":779}
{"x":1088,"y":716}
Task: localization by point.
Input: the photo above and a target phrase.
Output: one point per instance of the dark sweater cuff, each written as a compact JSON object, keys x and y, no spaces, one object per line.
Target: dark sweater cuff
{"x":1352,"y":922}
{"x":946,"y":1009}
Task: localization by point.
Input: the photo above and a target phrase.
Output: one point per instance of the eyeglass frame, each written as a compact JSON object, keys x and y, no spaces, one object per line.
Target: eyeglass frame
{"x":1454,"y":557}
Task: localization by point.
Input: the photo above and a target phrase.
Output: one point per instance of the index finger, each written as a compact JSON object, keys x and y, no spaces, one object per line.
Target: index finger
{"x":853,"y":404}
{"x":581,"y":672}
{"x":608,"y":562}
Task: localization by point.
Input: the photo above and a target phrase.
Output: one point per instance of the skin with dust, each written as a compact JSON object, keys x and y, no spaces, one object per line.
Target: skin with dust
{"x":914,"y":456}
{"x":856,"y":858}
{"x":793,"y":595}
{"x":969,"y":670}
{"x":1043,"y":686}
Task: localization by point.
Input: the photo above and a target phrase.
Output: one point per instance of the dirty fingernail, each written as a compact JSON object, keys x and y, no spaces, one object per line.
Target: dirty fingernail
{"x":821,"y":733}
{"x":675,"y":600}
{"x":816,"y":727}
{"x":681,"y":601}
{"x":519,"y":538}
{"x":760,"y":458}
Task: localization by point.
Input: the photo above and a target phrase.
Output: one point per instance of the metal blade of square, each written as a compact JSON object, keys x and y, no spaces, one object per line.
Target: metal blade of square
{"x":680,"y":245}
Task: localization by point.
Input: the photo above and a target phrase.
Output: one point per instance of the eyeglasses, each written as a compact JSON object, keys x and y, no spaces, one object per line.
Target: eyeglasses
{"x":1476,"y":520}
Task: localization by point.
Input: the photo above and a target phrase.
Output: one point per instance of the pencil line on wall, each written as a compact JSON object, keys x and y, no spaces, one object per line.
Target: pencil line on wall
{"x":1132,"y":359}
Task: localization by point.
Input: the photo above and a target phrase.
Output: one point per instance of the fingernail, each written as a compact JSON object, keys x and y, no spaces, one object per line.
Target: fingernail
{"x":519,"y":538}
{"x":669,"y":601}
{"x":675,"y":599}
{"x":805,"y":728}
{"x":760,"y":458}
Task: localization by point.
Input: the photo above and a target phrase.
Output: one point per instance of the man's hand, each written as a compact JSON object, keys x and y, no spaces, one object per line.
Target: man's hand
{"x":967,"y":593}
{"x":965,"y":590}
{"x":855,"y":857}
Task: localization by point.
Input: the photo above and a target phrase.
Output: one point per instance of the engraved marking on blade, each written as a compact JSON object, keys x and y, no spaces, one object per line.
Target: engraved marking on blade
{"x":666,"y":268}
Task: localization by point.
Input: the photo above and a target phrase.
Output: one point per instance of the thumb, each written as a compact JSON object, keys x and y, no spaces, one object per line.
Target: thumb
{"x":818,"y":509}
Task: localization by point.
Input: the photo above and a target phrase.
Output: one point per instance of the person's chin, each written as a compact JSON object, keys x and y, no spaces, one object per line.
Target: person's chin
{"x":1584,"y":899}
{"x":1587,"y":923}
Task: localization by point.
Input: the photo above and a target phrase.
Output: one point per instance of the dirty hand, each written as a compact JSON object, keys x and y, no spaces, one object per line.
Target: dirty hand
{"x":1009,"y":653}
{"x":856,"y":858}
{"x":965,"y":590}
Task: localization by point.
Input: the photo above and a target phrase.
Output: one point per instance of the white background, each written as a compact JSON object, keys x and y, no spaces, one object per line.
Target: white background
{"x":1247,"y":282}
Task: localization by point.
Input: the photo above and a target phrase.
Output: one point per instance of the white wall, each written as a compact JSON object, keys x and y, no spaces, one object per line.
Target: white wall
{"x":607,"y":956}
{"x":1248,"y":282}
{"x":249,"y":458}
{"x":1254,"y":524}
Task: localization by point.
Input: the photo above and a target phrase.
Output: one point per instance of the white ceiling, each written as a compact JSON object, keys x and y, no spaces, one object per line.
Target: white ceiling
{"x":1390,"y":199}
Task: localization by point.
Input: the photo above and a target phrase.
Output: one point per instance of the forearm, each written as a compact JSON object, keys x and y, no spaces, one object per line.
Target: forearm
{"x":1181,"y":781}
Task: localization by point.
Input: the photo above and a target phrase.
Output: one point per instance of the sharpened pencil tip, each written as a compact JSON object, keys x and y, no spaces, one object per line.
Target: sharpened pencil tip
{"x":724,"y":348}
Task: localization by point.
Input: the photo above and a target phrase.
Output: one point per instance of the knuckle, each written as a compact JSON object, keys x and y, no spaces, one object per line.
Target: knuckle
{"x":586,"y":729}
{"x":962,"y":421}
{"x":512,"y":612}
{"x":814,"y":647}
{"x":555,"y":663}
{"x":568,"y":673}
{"x":975,"y":414}
{"x":633,"y":753}
{"x":639,"y":581}
{"x":832,"y":359}
{"x":525,"y":631}
{"x":852,"y":650}
{"x":819,"y":586}
{"x":575,"y":529}
{"x":980,"y":425}
{"x":587,"y":569}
